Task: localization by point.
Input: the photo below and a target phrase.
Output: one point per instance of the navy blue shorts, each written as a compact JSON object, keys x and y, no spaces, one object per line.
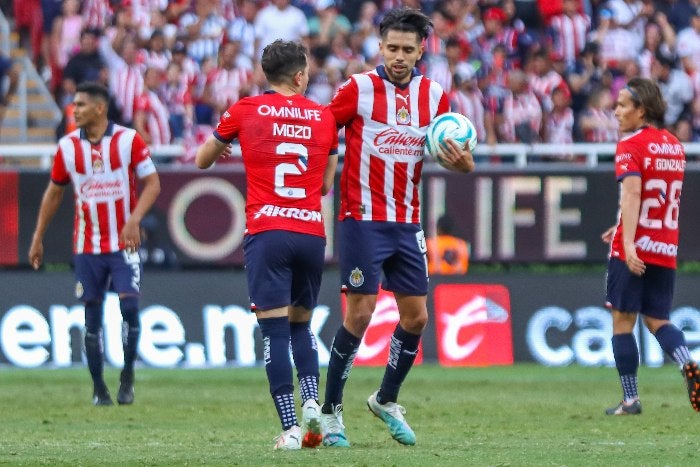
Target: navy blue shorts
{"x":283,"y":268}
{"x":650,"y":294}
{"x":368,"y":249}
{"x":119,"y":272}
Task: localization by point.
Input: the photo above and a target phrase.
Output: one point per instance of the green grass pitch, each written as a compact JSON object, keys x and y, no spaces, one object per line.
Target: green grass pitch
{"x":503,"y":416}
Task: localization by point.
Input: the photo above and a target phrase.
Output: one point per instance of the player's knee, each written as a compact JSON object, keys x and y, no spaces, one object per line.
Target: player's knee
{"x":415,"y":324}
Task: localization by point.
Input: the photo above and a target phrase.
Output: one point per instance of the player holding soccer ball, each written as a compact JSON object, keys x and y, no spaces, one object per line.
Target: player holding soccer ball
{"x":386,"y":113}
{"x":103,"y":161}
{"x":649,"y":165}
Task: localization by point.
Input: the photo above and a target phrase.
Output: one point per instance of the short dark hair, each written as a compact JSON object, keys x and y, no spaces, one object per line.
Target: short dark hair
{"x":406,"y":20}
{"x":281,"y":60}
{"x":93,"y":89}
{"x":445,"y":225}
{"x":647,"y":95}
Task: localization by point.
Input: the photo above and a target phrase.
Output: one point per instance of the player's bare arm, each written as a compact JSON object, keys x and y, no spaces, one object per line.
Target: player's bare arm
{"x":49,"y":205}
{"x":630,"y":201}
{"x":329,"y":174}
{"x":210,"y":151}
{"x":459,"y":158}
{"x":607,"y":236}
{"x":130,"y":236}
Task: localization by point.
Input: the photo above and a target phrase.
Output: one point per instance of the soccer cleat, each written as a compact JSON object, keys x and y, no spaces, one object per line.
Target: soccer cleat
{"x":691,"y":373}
{"x":635,"y":408}
{"x":311,"y":424}
{"x":126,"y":388}
{"x":101,"y":397}
{"x":333,"y":428}
{"x":393,"y":415}
{"x":289,"y":440}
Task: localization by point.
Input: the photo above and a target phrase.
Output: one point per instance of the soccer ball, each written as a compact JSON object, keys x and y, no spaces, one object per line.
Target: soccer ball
{"x":450,"y":125}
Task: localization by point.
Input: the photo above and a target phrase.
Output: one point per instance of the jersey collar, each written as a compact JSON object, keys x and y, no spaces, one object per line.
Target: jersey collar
{"x":381,"y":71}
{"x":108,"y":132}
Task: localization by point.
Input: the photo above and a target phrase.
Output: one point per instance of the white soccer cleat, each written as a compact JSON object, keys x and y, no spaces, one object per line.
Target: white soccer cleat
{"x":311,"y":424}
{"x":289,"y":440}
{"x":333,"y":428}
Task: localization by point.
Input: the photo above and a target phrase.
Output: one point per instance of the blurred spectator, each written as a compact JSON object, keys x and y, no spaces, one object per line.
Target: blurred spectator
{"x":27,"y":14}
{"x":366,"y":28}
{"x":497,"y":32}
{"x":568,"y":31}
{"x":676,"y":88}
{"x":50,"y":10}
{"x":280,"y":20}
{"x":321,"y":86}
{"x":632,"y":16}
{"x":442,"y":68}
{"x":189,"y":69}
{"x":242,"y":28}
{"x":155,"y":54}
{"x":588,"y":73}
{"x":543,"y":79}
{"x":204,"y":29}
{"x":466,"y":98}
{"x":150,"y":113}
{"x":678,"y":12}
{"x":158,"y":22}
{"x":447,"y":254}
{"x":493,"y":81}
{"x":520,"y":119}
{"x":64,"y":39}
{"x":123,"y":27}
{"x":327,"y":23}
{"x":177,"y":97}
{"x":230,"y":80}
{"x":97,"y":14}
{"x":87,"y":64}
{"x":559,"y":122}
{"x":597,"y":121}
{"x":689,"y":43}
{"x":175,"y":10}
{"x":617,"y":43}
{"x":9,"y":79}
{"x":142,"y":10}
{"x":125,"y":77}
{"x":659,"y":38}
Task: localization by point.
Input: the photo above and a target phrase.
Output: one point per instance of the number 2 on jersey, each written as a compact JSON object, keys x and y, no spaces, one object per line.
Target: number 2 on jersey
{"x":286,"y":168}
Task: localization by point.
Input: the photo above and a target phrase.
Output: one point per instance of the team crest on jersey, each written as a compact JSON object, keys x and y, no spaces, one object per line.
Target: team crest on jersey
{"x":357,"y":278}
{"x":79,"y":289}
{"x":403,"y":116}
{"x":98,"y":166}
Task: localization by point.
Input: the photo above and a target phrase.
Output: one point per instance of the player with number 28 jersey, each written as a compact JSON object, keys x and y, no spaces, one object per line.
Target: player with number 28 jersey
{"x":658,"y":157}
{"x":287,"y":139}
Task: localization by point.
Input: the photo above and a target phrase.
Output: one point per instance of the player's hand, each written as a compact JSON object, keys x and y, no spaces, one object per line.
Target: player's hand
{"x":130,"y":237}
{"x":607,"y":236}
{"x":634,"y":264}
{"x":36,"y":254}
{"x":228,"y":152}
{"x":458,"y":158}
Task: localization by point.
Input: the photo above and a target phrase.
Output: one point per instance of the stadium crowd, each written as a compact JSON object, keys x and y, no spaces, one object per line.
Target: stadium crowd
{"x":523,"y":71}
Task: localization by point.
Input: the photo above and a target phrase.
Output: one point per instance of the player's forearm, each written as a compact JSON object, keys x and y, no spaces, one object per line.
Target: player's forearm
{"x":149,"y":194}
{"x":209,"y":152}
{"x":629,"y":206}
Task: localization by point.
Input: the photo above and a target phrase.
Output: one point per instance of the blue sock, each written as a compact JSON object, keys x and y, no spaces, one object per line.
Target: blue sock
{"x":402,"y":353}
{"x":672,"y":341}
{"x":131,"y":330}
{"x":93,"y":342}
{"x":305,"y":353}
{"x":275,"y":334}
{"x":627,"y":362}
{"x":343,"y":351}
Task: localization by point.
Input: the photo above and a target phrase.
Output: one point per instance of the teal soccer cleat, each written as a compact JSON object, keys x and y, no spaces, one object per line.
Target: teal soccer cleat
{"x":333,"y":428}
{"x":393,"y":415}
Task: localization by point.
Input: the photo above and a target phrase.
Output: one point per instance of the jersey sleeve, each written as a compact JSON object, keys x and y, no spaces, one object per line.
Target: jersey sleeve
{"x":141,"y":157}
{"x":59,"y":174}
{"x":625,"y":161}
{"x":229,"y":124}
{"x":344,"y":103}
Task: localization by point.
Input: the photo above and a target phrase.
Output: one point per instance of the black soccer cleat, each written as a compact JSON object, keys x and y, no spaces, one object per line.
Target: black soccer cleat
{"x":691,"y":373}
{"x":635,"y":408}
{"x":125,"y":396}
{"x":101,"y":397}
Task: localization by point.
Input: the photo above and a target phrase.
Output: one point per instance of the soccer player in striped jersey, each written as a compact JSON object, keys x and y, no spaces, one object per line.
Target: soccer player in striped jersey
{"x":290,"y":147}
{"x":386,"y":113}
{"x":103,"y":161}
{"x":649,"y":165}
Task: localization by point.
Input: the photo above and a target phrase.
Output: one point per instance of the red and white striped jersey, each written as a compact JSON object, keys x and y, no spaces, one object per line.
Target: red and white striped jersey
{"x":559,"y":126}
{"x":96,"y":13}
{"x":659,"y":159}
{"x":569,"y":35}
{"x":126,"y":85}
{"x":286,"y":141}
{"x":104,"y":182}
{"x":226,"y":85}
{"x":157,"y":117}
{"x":385,"y":127}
